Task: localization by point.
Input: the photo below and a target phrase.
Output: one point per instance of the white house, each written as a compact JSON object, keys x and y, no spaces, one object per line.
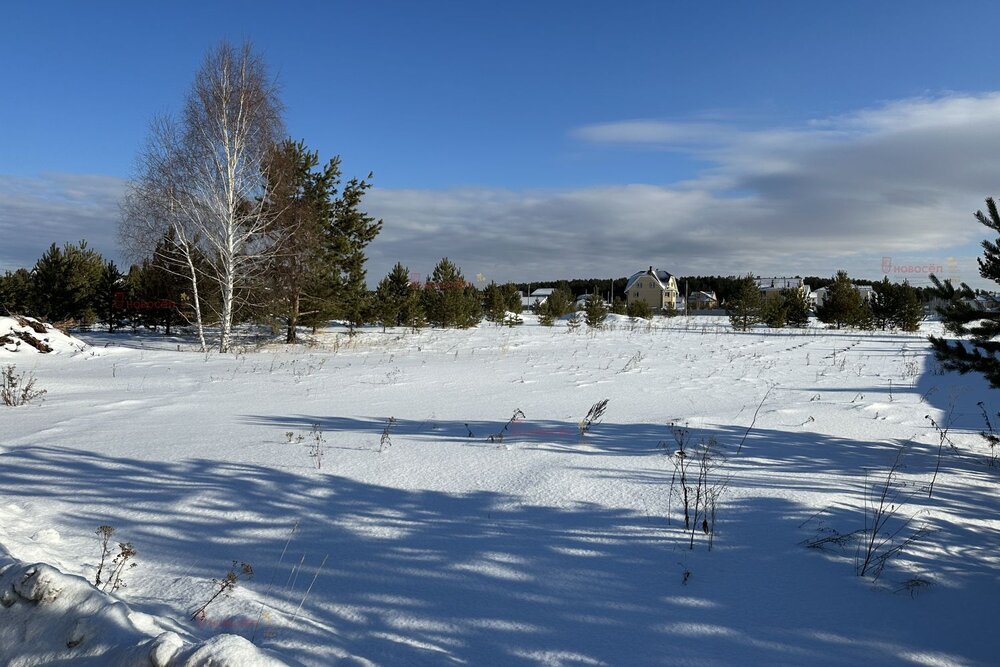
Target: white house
{"x":702,"y":300}
{"x":537,"y":298}
{"x":772,"y":287}
{"x":581,"y":301}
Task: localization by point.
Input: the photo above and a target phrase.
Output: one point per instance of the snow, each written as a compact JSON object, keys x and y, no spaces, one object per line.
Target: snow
{"x":26,"y":335}
{"x":48,"y":617}
{"x":542,"y":547}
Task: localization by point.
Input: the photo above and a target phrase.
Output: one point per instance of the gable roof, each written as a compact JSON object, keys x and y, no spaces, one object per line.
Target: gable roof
{"x":662,"y":277}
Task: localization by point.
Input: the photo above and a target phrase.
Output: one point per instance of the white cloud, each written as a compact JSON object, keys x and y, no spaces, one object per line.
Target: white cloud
{"x":900,"y":180}
{"x":36,"y":211}
{"x":655,"y":132}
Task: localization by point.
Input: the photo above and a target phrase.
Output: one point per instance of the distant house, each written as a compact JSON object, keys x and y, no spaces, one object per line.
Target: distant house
{"x":537,"y":298}
{"x":772,"y":287}
{"x":819,"y":296}
{"x":702,"y":300}
{"x":656,"y":287}
{"x":985,"y":302}
{"x":581,"y":301}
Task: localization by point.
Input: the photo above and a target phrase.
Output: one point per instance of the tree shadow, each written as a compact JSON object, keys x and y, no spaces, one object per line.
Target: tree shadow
{"x":429,"y":577}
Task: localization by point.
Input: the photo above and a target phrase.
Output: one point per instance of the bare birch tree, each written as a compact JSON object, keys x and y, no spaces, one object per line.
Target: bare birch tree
{"x":203,"y":176}
{"x":151,"y":216}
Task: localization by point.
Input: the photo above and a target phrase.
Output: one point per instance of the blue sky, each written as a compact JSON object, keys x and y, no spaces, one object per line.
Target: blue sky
{"x":532,"y":140}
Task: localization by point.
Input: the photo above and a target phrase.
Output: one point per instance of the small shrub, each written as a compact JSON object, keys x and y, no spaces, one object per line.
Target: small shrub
{"x":632,"y":363}
{"x":594,"y":415}
{"x":990,"y":436}
{"x":225,"y":586}
{"x":126,"y":553}
{"x":638,"y":309}
{"x":386,"y":441}
{"x":18,"y":389}
{"x":698,"y":488}
{"x":880,"y":544}
{"x":316,"y":446}
{"x":105,"y":533}
{"x":498,"y":437}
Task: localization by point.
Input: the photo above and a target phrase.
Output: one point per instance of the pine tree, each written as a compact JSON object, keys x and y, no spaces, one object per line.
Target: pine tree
{"x":494,"y":305}
{"x":981,"y":353}
{"x":796,"y":307}
{"x":450,"y":300}
{"x":163,"y":280}
{"x":555,"y":306}
{"x":884,"y":303}
{"x":108,"y":300}
{"x":499,"y":300}
{"x":596,"y":311}
{"x":64,"y":283}
{"x":413,"y":314}
{"x":909,"y":311}
{"x":619,"y":306}
{"x":773,"y":312}
{"x":639,"y":308}
{"x":300,"y":202}
{"x":392,"y":297}
{"x":350,"y":234}
{"x":16,"y":292}
{"x":843,"y":305}
{"x":745,"y":306}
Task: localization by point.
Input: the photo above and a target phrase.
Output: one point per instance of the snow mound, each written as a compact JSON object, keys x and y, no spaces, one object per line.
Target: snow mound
{"x":26,"y":334}
{"x":48,"y":617}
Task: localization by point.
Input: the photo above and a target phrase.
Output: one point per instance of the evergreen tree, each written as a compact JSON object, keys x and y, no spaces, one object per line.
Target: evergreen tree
{"x":64,"y":283}
{"x":745,"y":306}
{"x":639,"y":308}
{"x":450,"y":300}
{"x":16,"y":294}
{"x":884,"y":303}
{"x":300,"y":202}
{"x":413,"y":314}
{"x":351,"y":232}
{"x":596,"y":311}
{"x":494,"y":304}
{"x":557,"y":305}
{"x":843,"y":305}
{"x":498,"y":300}
{"x":909,"y":311}
{"x":796,"y":307}
{"x":619,"y":306}
{"x":392,"y":297}
{"x":163,"y":281}
{"x":108,"y":300}
{"x":981,"y":353}
{"x":896,"y":305}
{"x":773,"y":312}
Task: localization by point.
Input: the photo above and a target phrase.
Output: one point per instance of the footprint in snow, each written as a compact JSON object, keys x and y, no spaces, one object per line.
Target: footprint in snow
{"x":47,"y":536}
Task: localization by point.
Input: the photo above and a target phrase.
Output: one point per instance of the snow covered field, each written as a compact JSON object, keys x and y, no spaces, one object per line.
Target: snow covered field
{"x":545,"y":547}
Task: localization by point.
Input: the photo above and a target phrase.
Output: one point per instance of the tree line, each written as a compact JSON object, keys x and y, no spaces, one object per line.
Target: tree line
{"x":890,"y":305}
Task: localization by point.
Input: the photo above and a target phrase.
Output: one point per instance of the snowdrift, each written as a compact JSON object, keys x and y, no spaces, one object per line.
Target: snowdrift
{"x":48,"y":617}
{"x":26,"y":334}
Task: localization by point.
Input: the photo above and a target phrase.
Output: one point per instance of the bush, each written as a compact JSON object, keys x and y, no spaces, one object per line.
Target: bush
{"x":18,"y":389}
{"x":639,"y":309}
